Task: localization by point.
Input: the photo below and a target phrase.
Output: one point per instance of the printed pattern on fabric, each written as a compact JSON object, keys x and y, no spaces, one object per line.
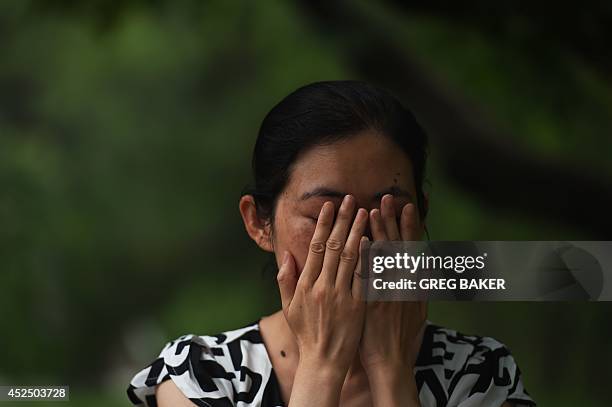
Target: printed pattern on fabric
{"x":234,"y":369}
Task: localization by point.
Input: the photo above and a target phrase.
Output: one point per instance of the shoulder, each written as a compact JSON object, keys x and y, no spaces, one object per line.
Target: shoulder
{"x":213,"y":370}
{"x":168,"y":394}
{"x":458,"y":369}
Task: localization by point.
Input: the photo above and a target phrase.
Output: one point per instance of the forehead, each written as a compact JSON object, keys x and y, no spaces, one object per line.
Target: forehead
{"x":360,"y":165}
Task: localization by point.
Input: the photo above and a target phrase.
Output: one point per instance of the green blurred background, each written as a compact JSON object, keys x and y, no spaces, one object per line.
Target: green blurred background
{"x":126,"y":130}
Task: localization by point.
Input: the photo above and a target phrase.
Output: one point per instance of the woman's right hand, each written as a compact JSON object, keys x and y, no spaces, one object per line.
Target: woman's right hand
{"x":323,"y":307}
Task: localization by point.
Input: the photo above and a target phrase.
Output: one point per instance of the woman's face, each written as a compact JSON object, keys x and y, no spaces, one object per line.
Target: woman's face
{"x":367,"y":166}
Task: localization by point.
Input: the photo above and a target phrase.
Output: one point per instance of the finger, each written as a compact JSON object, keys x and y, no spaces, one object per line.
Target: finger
{"x":409,"y":223}
{"x":376,"y":226}
{"x":287,"y":280}
{"x":316,"y":251}
{"x":387,"y":211}
{"x":350,"y":253}
{"x":357,"y":288}
{"x":336,"y":240}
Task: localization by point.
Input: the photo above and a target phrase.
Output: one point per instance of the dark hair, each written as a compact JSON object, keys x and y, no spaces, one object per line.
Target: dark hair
{"x":322,"y":113}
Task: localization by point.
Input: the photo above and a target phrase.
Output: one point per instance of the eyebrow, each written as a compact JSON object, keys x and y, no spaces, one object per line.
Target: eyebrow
{"x":332,"y":193}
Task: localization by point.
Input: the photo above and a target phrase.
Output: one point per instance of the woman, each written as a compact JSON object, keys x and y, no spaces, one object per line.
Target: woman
{"x":335,"y":163}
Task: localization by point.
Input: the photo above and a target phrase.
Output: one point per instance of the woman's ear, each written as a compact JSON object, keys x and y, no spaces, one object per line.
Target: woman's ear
{"x":260,"y":231}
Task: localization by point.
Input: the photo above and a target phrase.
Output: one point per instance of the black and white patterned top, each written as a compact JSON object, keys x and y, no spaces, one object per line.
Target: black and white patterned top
{"x":233,"y":369}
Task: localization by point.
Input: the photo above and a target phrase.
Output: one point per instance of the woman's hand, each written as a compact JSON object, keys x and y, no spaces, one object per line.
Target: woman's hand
{"x":323,"y":307}
{"x":393,"y":330}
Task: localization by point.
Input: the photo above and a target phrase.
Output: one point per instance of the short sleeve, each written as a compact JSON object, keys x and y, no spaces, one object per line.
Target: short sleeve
{"x":191,"y":364}
{"x":489,"y":377}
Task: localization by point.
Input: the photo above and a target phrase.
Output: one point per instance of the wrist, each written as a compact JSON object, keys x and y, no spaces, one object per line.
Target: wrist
{"x":388,"y":370}
{"x":393,"y":385}
{"x":317,"y":382}
{"x":323,"y":368}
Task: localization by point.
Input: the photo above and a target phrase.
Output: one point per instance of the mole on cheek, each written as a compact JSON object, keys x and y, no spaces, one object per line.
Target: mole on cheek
{"x":283,"y":354}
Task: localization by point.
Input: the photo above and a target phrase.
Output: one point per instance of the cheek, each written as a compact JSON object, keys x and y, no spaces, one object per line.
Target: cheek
{"x":299,"y":239}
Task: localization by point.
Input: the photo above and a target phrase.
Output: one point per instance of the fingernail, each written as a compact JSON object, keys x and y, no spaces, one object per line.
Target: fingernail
{"x":285,"y":258}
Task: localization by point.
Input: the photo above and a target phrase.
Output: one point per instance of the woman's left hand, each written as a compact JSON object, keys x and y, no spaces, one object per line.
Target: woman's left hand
{"x":393,"y":330}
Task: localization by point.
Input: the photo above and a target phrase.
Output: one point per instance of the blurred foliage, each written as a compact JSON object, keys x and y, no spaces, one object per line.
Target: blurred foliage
{"x":125,"y":138}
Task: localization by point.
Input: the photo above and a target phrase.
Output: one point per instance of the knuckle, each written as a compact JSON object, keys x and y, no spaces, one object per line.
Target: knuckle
{"x":322,"y":221}
{"x":319,"y":294}
{"x":358,"y":305}
{"x":344,"y":214}
{"x":333,"y":244}
{"x":317,"y":247}
{"x":348,"y":256}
